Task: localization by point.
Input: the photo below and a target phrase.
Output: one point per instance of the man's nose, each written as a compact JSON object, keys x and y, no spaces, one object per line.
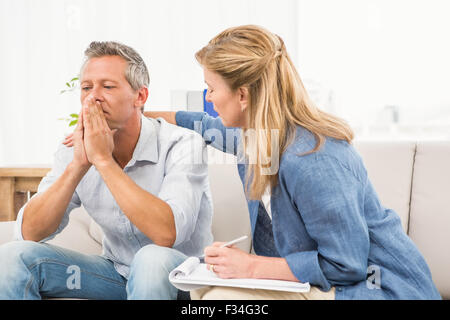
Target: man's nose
{"x":96,"y":94}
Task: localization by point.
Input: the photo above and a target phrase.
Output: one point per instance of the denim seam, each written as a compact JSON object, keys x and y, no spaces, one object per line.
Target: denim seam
{"x":325,"y":156}
{"x":27,"y":288}
{"x":352,"y":174}
{"x":67,"y":265}
{"x":412,"y":276}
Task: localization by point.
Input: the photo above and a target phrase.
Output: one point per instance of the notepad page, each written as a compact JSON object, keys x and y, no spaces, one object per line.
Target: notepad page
{"x":186,"y":268}
{"x":202,"y":275}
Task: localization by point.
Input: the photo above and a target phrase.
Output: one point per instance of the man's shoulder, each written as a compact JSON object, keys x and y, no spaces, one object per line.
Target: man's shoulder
{"x":172,"y":134}
{"x":178,"y":144}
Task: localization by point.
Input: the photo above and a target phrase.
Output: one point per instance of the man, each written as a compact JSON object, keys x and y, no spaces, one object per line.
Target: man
{"x":136,"y":177}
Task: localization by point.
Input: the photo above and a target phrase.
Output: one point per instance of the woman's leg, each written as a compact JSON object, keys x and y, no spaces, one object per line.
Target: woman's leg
{"x":230,"y":293}
{"x":31,"y":270}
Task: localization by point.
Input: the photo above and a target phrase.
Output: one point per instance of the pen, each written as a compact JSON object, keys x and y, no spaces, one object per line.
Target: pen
{"x":229,"y":243}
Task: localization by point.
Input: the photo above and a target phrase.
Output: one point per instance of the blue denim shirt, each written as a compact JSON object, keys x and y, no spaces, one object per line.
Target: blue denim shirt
{"x":327,"y":220}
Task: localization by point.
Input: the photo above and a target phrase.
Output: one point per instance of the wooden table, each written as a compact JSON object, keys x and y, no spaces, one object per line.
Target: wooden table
{"x":17,"y":185}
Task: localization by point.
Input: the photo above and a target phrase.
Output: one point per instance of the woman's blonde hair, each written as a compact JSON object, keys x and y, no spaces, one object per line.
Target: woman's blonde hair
{"x":250,"y":56}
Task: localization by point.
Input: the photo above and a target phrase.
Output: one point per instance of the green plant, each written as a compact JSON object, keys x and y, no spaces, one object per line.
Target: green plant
{"x":71,"y":86}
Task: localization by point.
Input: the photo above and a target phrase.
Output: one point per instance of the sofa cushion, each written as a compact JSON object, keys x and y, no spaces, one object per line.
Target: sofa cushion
{"x":429,"y":224}
{"x":96,"y":232}
{"x":76,"y":234}
{"x":6,"y":231}
{"x":390,"y":167}
{"x":231,"y":218}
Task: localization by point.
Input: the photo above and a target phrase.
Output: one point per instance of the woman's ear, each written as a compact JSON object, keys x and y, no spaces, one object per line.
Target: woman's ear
{"x":142,"y":97}
{"x":243,"y":98}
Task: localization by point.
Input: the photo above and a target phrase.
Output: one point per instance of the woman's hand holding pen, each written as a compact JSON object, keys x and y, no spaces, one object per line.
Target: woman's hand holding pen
{"x":229,"y":262}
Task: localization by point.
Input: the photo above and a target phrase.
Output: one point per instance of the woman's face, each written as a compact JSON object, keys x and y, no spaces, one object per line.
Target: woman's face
{"x":228,"y":104}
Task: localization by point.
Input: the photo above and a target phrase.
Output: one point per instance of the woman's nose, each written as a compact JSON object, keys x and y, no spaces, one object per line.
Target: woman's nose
{"x":207,"y":97}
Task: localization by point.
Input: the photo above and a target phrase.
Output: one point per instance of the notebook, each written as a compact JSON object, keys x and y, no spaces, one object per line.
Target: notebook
{"x":192,"y":274}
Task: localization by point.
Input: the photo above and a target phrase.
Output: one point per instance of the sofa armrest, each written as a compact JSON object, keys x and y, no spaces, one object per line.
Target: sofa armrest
{"x":6,"y":231}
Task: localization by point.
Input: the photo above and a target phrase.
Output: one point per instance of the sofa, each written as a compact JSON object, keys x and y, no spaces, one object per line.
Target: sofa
{"x":411,"y":177}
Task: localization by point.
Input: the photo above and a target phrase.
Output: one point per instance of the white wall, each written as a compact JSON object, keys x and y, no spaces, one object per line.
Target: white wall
{"x":378,"y":53}
{"x":355,"y":57}
{"x":42,"y":44}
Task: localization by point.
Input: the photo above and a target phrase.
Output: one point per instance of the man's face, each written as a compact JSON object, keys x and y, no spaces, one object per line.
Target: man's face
{"x":104,"y":80}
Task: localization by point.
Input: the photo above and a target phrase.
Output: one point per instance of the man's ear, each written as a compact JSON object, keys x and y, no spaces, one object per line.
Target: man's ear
{"x":142,"y":97}
{"x":243,"y":97}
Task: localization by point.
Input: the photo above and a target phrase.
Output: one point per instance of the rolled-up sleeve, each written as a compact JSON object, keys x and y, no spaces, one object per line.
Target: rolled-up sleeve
{"x":330,"y":200}
{"x":185,"y":183}
{"x":61,"y":159}
{"x":212,"y":130}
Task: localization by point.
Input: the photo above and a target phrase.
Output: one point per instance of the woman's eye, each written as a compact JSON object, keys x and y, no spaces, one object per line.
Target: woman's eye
{"x":85,"y":88}
{"x":108,"y":87}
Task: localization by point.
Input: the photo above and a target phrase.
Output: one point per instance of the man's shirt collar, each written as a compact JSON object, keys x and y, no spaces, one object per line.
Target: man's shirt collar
{"x":147,"y":146}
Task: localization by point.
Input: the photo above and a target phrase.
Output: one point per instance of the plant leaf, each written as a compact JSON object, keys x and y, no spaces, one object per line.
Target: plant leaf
{"x":74,"y":115}
{"x":72,"y":123}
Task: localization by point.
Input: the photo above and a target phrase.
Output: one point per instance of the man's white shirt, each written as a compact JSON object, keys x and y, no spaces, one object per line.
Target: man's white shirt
{"x":168,"y":162}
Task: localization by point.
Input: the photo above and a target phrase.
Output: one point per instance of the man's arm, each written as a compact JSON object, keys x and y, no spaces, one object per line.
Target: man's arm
{"x":168,"y":218}
{"x":147,"y":212}
{"x":169,"y":116}
{"x":151,"y":215}
{"x":212,"y":130}
{"x":43,"y":214}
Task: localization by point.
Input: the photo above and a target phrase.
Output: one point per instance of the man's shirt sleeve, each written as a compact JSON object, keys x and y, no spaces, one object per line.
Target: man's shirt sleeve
{"x":185,"y":184}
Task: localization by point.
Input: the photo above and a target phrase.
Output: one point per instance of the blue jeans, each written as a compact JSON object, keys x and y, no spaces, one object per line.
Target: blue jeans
{"x":32,"y":270}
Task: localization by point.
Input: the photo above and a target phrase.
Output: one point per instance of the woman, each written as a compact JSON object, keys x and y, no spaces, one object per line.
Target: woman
{"x":314,"y":214}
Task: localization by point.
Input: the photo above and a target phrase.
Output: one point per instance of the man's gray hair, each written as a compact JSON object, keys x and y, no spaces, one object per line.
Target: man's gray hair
{"x":136,"y":72}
